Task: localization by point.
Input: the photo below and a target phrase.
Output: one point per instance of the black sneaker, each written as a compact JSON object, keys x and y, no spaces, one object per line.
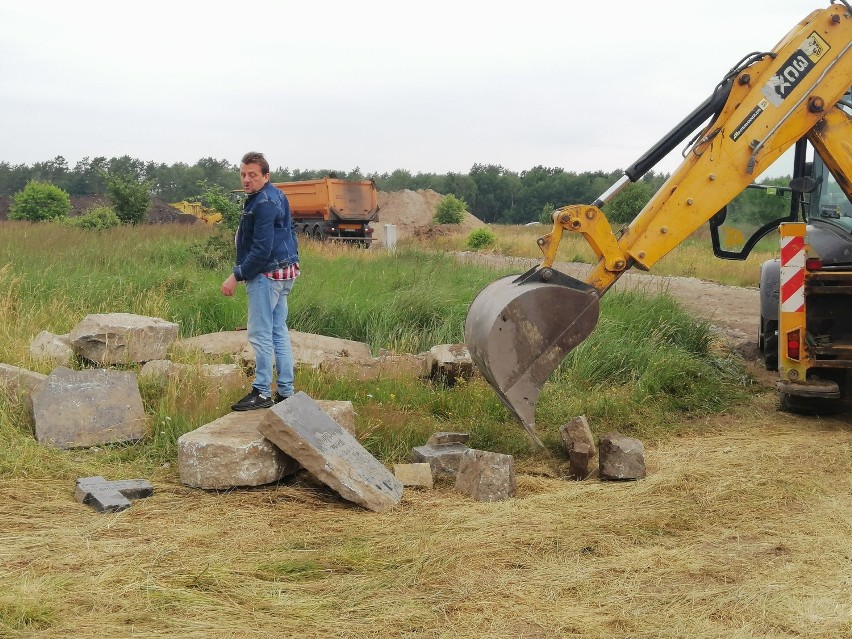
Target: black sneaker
{"x":253,"y":401}
{"x":280,"y":398}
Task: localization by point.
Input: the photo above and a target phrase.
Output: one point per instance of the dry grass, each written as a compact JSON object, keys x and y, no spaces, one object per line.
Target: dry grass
{"x":692,"y":258}
{"x":744,"y":531}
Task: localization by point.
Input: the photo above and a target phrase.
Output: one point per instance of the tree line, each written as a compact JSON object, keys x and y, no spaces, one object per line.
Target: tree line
{"x":491,"y":192}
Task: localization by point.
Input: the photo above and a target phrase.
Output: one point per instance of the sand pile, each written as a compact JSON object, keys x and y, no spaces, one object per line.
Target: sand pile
{"x":412,"y":212}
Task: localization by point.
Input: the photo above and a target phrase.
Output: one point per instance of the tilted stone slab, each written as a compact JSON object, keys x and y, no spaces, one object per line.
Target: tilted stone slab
{"x":231,"y":452}
{"x":19,"y":382}
{"x":121,"y":338}
{"x":486,"y":476}
{"x":443,"y":458}
{"x":300,"y":428}
{"x":56,"y":348}
{"x":111,"y":496}
{"x":621,"y":457}
{"x":73,"y":409}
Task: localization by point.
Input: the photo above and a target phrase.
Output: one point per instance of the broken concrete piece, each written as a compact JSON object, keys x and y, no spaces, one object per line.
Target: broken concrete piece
{"x":300,"y":428}
{"x":447,"y":363}
{"x":123,"y":338}
{"x":414,"y":474}
{"x":230,"y":452}
{"x":486,"y":476}
{"x":443,"y":458}
{"x":580,"y":444}
{"x":621,"y":457}
{"x":111,"y":496}
{"x":85,"y":408}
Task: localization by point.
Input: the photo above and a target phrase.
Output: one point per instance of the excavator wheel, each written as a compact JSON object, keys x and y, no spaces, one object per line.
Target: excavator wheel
{"x":520,"y":328}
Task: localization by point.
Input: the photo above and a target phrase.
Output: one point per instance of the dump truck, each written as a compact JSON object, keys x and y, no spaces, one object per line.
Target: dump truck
{"x":520,"y":328}
{"x":333,"y":209}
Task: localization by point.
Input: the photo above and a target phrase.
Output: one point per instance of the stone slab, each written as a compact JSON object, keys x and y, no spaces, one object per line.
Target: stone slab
{"x":231,"y":452}
{"x":414,"y":474}
{"x":73,"y":409}
{"x":111,"y":496}
{"x":443,"y":458}
{"x":300,"y":428}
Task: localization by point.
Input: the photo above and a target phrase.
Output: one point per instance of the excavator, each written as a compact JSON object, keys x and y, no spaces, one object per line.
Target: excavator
{"x":794,"y":98}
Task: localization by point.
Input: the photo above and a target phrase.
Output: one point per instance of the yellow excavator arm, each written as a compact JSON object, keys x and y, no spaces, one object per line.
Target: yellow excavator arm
{"x":519,"y":329}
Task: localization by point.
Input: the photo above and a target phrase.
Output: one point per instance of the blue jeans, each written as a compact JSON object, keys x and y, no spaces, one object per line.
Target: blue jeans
{"x":268,"y":335}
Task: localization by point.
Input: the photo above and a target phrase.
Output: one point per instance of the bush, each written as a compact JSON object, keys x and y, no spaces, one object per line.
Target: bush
{"x":39,"y":201}
{"x":97,"y":218}
{"x":216,"y":253}
{"x":546,"y":215}
{"x":450,"y":210}
{"x":129,"y":198}
{"x":217,"y":198}
{"x":481,"y":238}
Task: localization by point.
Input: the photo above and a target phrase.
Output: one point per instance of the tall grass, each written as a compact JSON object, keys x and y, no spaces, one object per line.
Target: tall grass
{"x":646,"y":361}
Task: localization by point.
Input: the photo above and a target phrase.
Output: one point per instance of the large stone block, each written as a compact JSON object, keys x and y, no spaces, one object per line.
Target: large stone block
{"x":300,"y":428}
{"x":74,"y":409}
{"x":231,"y":452}
{"x":122,"y":338}
{"x":486,"y":476}
{"x":448,"y":363}
{"x":621,"y":457}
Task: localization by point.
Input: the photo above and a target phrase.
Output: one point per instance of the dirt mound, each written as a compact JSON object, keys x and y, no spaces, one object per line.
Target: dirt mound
{"x":412,"y":212}
{"x":159,"y":212}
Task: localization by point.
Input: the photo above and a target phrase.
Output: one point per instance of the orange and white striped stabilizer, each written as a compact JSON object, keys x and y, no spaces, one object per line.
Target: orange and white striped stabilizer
{"x":792,"y":267}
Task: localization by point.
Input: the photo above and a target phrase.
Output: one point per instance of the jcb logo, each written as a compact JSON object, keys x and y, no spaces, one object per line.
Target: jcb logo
{"x":794,"y":70}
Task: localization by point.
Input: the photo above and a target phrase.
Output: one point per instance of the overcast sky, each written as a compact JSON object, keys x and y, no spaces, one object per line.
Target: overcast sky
{"x":424,"y":86}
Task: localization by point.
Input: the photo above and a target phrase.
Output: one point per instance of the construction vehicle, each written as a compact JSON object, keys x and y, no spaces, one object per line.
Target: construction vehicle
{"x":520,"y":328}
{"x":206,"y":215}
{"x":331,"y":208}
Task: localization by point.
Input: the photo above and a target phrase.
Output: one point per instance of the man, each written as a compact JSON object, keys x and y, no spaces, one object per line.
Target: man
{"x":268,"y":262}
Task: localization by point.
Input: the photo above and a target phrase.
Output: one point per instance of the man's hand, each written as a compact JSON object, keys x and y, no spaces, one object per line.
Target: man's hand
{"x":229,"y":286}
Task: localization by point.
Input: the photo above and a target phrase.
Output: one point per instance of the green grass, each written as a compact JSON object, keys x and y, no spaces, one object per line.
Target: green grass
{"x":647,"y":365}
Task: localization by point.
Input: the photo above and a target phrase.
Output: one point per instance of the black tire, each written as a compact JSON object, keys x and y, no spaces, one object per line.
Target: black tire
{"x":306,"y":230}
{"x":767,"y":341}
{"x":317,"y":234}
{"x":809,"y":405}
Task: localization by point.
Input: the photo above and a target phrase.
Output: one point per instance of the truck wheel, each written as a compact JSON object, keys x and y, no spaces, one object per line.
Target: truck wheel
{"x":809,"y":405}
{"x":306,"y":230}
{"x":767,"y":341}
{"x":317,"y":234}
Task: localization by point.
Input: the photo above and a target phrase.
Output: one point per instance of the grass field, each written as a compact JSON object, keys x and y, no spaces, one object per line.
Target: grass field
{"x":743,"y":527}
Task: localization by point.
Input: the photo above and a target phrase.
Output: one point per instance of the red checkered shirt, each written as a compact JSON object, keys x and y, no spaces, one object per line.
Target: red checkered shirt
{"x":289,"y":272}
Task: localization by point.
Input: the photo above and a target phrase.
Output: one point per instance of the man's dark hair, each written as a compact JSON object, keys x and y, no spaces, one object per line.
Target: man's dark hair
{"x":253,"y":157}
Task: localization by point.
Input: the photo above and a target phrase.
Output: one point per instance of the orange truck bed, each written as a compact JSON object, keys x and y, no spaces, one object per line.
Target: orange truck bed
{"x":332,"y":209}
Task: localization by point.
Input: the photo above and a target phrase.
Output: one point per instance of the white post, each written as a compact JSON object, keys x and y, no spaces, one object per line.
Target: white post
{"x":390,"y":237}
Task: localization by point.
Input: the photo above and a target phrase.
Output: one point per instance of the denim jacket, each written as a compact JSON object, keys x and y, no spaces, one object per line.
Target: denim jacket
{"x":265,"y":238}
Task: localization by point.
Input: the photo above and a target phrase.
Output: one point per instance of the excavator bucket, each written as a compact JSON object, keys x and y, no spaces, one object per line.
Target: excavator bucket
{"x":520,"y":328}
